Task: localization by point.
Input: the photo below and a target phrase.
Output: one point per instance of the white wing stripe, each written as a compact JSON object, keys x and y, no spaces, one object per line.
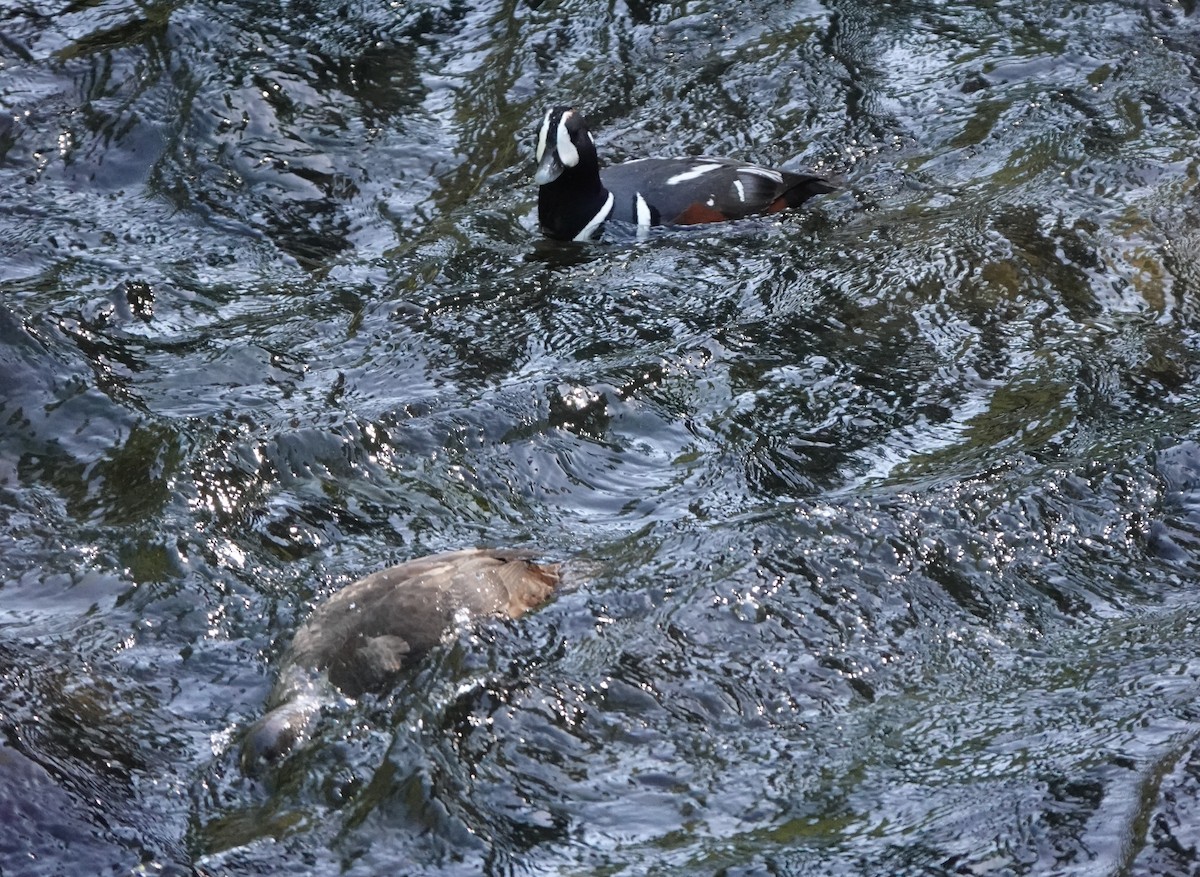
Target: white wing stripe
{"x":766,"y":173}
{"x":696,"y":172}
{"x":643,"y":212}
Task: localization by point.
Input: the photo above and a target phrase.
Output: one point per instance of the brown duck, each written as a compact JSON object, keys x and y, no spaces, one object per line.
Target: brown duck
{"x":363,"y":637}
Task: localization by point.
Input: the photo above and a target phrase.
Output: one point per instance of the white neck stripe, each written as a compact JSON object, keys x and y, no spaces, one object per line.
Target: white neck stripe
{"x":598,"y":220}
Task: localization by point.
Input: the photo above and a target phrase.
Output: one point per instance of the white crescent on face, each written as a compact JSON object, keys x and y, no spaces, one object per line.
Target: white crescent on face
{"x":567,"y":153}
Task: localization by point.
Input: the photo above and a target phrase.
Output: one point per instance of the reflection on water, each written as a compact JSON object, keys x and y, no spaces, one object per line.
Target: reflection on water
{"x":884,"y":511}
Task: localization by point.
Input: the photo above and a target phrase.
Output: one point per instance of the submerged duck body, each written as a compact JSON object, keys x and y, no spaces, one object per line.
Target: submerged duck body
{"x":365,"y":635}
{"x":576,"y":197}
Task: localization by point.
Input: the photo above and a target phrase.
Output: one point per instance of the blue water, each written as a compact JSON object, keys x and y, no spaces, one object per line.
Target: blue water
{"x":882,"y":517}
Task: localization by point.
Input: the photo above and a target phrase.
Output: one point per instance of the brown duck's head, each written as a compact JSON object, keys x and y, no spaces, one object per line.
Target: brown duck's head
{"x":363,"y":637}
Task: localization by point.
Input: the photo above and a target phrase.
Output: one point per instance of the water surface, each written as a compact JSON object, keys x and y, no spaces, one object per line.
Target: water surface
{"x":885,"y":514}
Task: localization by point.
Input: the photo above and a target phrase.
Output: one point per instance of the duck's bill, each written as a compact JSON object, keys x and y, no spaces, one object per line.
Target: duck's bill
{"x":549,"y":169}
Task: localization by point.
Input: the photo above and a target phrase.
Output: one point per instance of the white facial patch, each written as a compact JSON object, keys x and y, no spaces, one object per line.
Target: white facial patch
{"x":543,"y":133}
{"x":567,"y":153}
{"x":695,"y":173}
{"x":766,"y":173}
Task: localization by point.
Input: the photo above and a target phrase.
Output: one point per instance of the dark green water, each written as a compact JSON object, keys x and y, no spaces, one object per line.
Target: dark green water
{"x":885,"y":514}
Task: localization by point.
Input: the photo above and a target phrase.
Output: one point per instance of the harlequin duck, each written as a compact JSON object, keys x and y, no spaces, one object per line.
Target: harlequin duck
{"x":366,"y":634}
{"x":576,"y":197}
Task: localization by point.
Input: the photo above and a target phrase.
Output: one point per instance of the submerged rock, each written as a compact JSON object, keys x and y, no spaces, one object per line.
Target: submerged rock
{"x":364,"y":636}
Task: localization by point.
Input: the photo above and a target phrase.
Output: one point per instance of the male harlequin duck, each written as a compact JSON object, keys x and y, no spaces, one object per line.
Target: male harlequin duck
{"x":576,"y":197}
{"x":366,"y":634}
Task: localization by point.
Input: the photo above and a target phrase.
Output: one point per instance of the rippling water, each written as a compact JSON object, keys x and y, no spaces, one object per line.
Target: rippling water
{"x":883,"y":515}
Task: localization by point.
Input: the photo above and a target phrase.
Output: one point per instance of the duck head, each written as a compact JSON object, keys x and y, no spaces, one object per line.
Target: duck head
{"x":572,"y":202}
{"x":565,"y":144}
